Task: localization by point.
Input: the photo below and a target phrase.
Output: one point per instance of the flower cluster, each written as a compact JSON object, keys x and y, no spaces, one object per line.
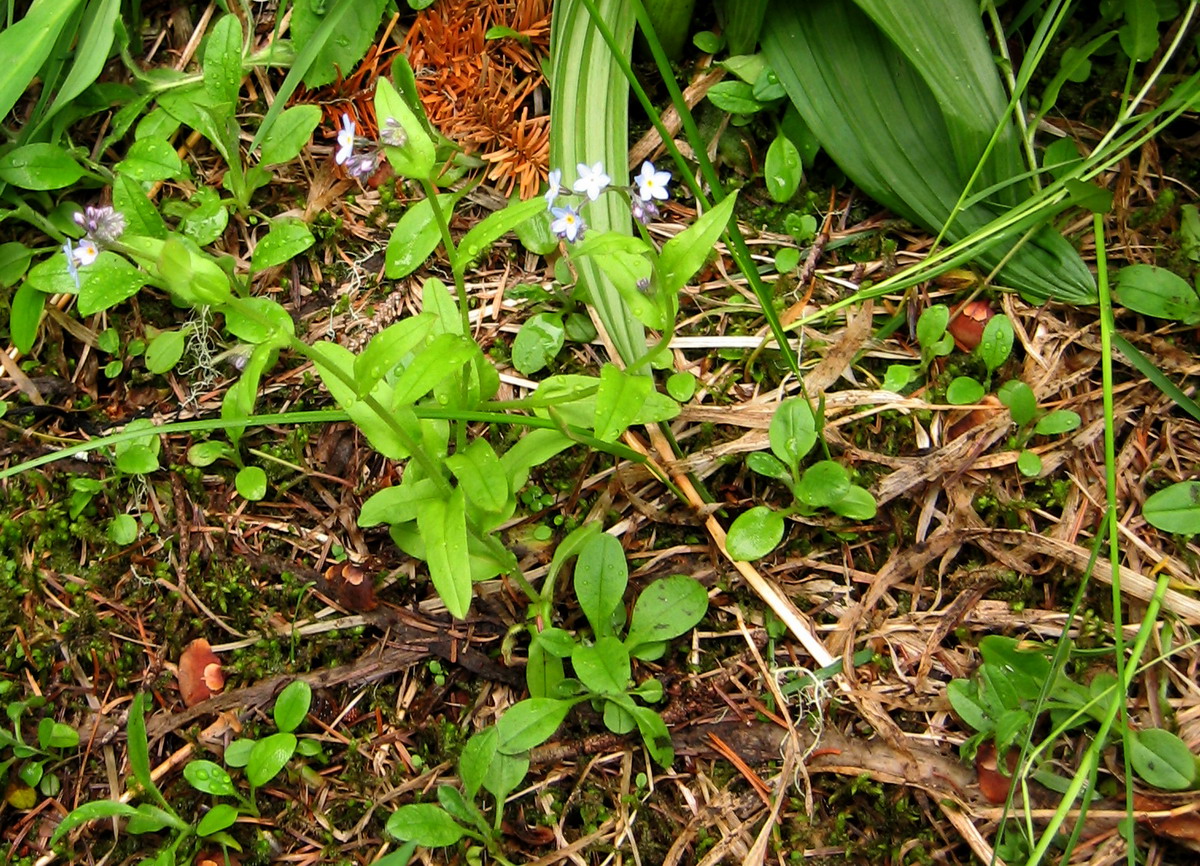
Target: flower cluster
{"x":650,"y":186}
{"x":101,"y":226}
{"x":363,"y":163}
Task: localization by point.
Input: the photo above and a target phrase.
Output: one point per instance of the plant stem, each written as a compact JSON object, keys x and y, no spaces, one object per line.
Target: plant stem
{"x":443,"y":225}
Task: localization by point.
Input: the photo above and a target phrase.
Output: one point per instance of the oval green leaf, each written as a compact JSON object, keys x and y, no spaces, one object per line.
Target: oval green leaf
{"x":754,"y":533}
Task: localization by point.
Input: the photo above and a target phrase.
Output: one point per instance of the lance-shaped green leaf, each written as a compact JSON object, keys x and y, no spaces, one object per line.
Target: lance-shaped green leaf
{"x":683,"y":255}
{"x":443,"y":526}
{"x":415,"y":156}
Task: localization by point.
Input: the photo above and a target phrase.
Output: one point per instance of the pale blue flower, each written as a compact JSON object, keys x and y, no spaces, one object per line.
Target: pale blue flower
{"x":345,"y":140}
{"x":72,"y":268}
{"x":643,"y":209}
{"x":104,"y":224}
{"x":567,"y":223}
{"x":86,"y":252}
{"x":555,"y":183}
{"x":652,"y":183}
{"x":592,"y":181}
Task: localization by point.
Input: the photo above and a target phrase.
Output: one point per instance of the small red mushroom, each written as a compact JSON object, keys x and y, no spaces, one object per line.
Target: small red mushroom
{"x":993,"y":784}
{"x":200,"y":675}
{"x":352,"y":586}
{"x":967,"y":322}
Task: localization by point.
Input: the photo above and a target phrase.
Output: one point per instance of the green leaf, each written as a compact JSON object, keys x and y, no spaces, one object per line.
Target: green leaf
{"x":476,"y":757}
{"x":931,"y":326}
{"x":268,"y":756}
{"x":398,"y":504}
{"x":92,"y":811}
{"x":530,"y":723}
{"x":601,"y":575}
{"x":290,"y":133}
{"x":141,"y":216}
{"x":223,"y":62}
{"x":151,"y":819}
{"x":683,"y":255}
{"x":14,"y":261}
{"x":787,"y":260}
{"x":1158,"y":292}
{"x":26,"y":315}
{"x":602,"y":667}
{"x":1139,"y":35}
{"x":251,"y":483}
{"x":736,"y":97}
{"x":768,"y":465}
{"x":292,"y":705}
{"x":1020,"y":400}
{"x":897,"y":377}
{"x":415,"y":158}
{"x":666,"y":609}
{"x":390,"y":348}
{"x":219,"y":817}
{"x":39,"y":166}
{"x":823,"y":484}
{"x":996,"y":343}
{"x":287,"y":239}
{"x":1059,"y":421}
{"x":107,"y":282}
{"x":793,"y":431}
{"x":708,"y":42}
{"x":493,"y":227}
{"x":682,"y":386}
{"x":537,"y":343}
{"x":258,"y":321}
{"x":208,"y":778}
{"x":1175,"y":508}
{"x":237,"y":753}
{"x":56,"y":735}
{"x":480,"y":475}
{"x":27,"y":43}
{"x":122,"y":530}
{"x":1162,"y":759}
{"x":963,"y":390}
{"x":91,"y":53}
{"x":857,"y":504}
{"x":164,"y":351}
{"x":415,"y":236}
{"x":427,"y":824}
{"x":654,"y":734}
{"x":335,"y":35}
{"x":442,"y":358}
{"x":964,"y":698}
{"x":783,"y":170}
{"x":619,"y":401}
{"x":754,"y":533}
{"x":205,"y":222}
{"x":149,"y":160}
{"x":442,"y":524}
{"x":1029,"y":464}
{"x":138,"y":746}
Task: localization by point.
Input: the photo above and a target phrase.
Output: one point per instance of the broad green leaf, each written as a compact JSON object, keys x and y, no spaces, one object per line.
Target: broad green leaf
{"x":530,"y":723}
{"x":151,"y":819}
{"x":543,"y":671}
{"x":122,"y":530}
{"x":1175,"y":508}
{"x":1029,"y":464}
{"x":415,"y":158}
{"x":1059,"y":421}
{"x":682,"y":386}
{"x":326,"y":49}
{"x":268,"y":756}
{"x":291,"y":131}
{"x":964,"y":698}
{"x":427,"y":824}
{"x":619,"y":401}
{"x":14,"y":261}
{"x":1139,"y":35}
{"x":389,"y":348}
{"x":996,"y":343}
{"x":601,"y":575}
{"x":1158,"y":292}
{"x":823,"y":483}
{"x":382,"y":435}
{"x":793,"y":430}
{"x":602,"y":667}
{"x":223,"y":62}
{"x":237,"y":753}
{"x":39,"y":166}
{"x":532,"y":449}
{"x":56,"y":735}
{"x":666,"y":609}
{"x":219,"y":817}
{"x":736,"y":97}
{"x":1020,"y":400}
{"x":654,"y":734}
{"x":683,"y":255}
{"x":26,"y":315}
{"x":963,"y":390}
{"x":783,"y":170}
{"x":857,"y":504}
{"x":768,"y":465}
{"x":107,"y":282}
{"x":476,"y":757}
{"x":164,"y":350}
{"x":398,"y":504}
{"x":91,"y":53}
{"x":442,"y":523}
{"x":460,"y":808}
{"x":493,"y":227}
{"x":27,"y":43}
{"x":292,"y":705}
{"x":141,"y":216}
{"x":754,"y":533}
{"x":504,"y":774}
{"x":208,"y":778}
{"x":415,"y":236}
{"x":1162,"y":759}
{"x":443,"y":357}
{"x":618,"y":719}
{"x":931,"y":326}
{"x":287,"y":239}
{"x":258,"y":320}
{"x":480,"y":476}
{"x":251,"y":483}
{"x":537,"y":343}
{"x":150,"y":159}
{"x":205,"y":222}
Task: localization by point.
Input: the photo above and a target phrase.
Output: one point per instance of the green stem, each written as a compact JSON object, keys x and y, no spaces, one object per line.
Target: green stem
{"x":439,"y":216}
